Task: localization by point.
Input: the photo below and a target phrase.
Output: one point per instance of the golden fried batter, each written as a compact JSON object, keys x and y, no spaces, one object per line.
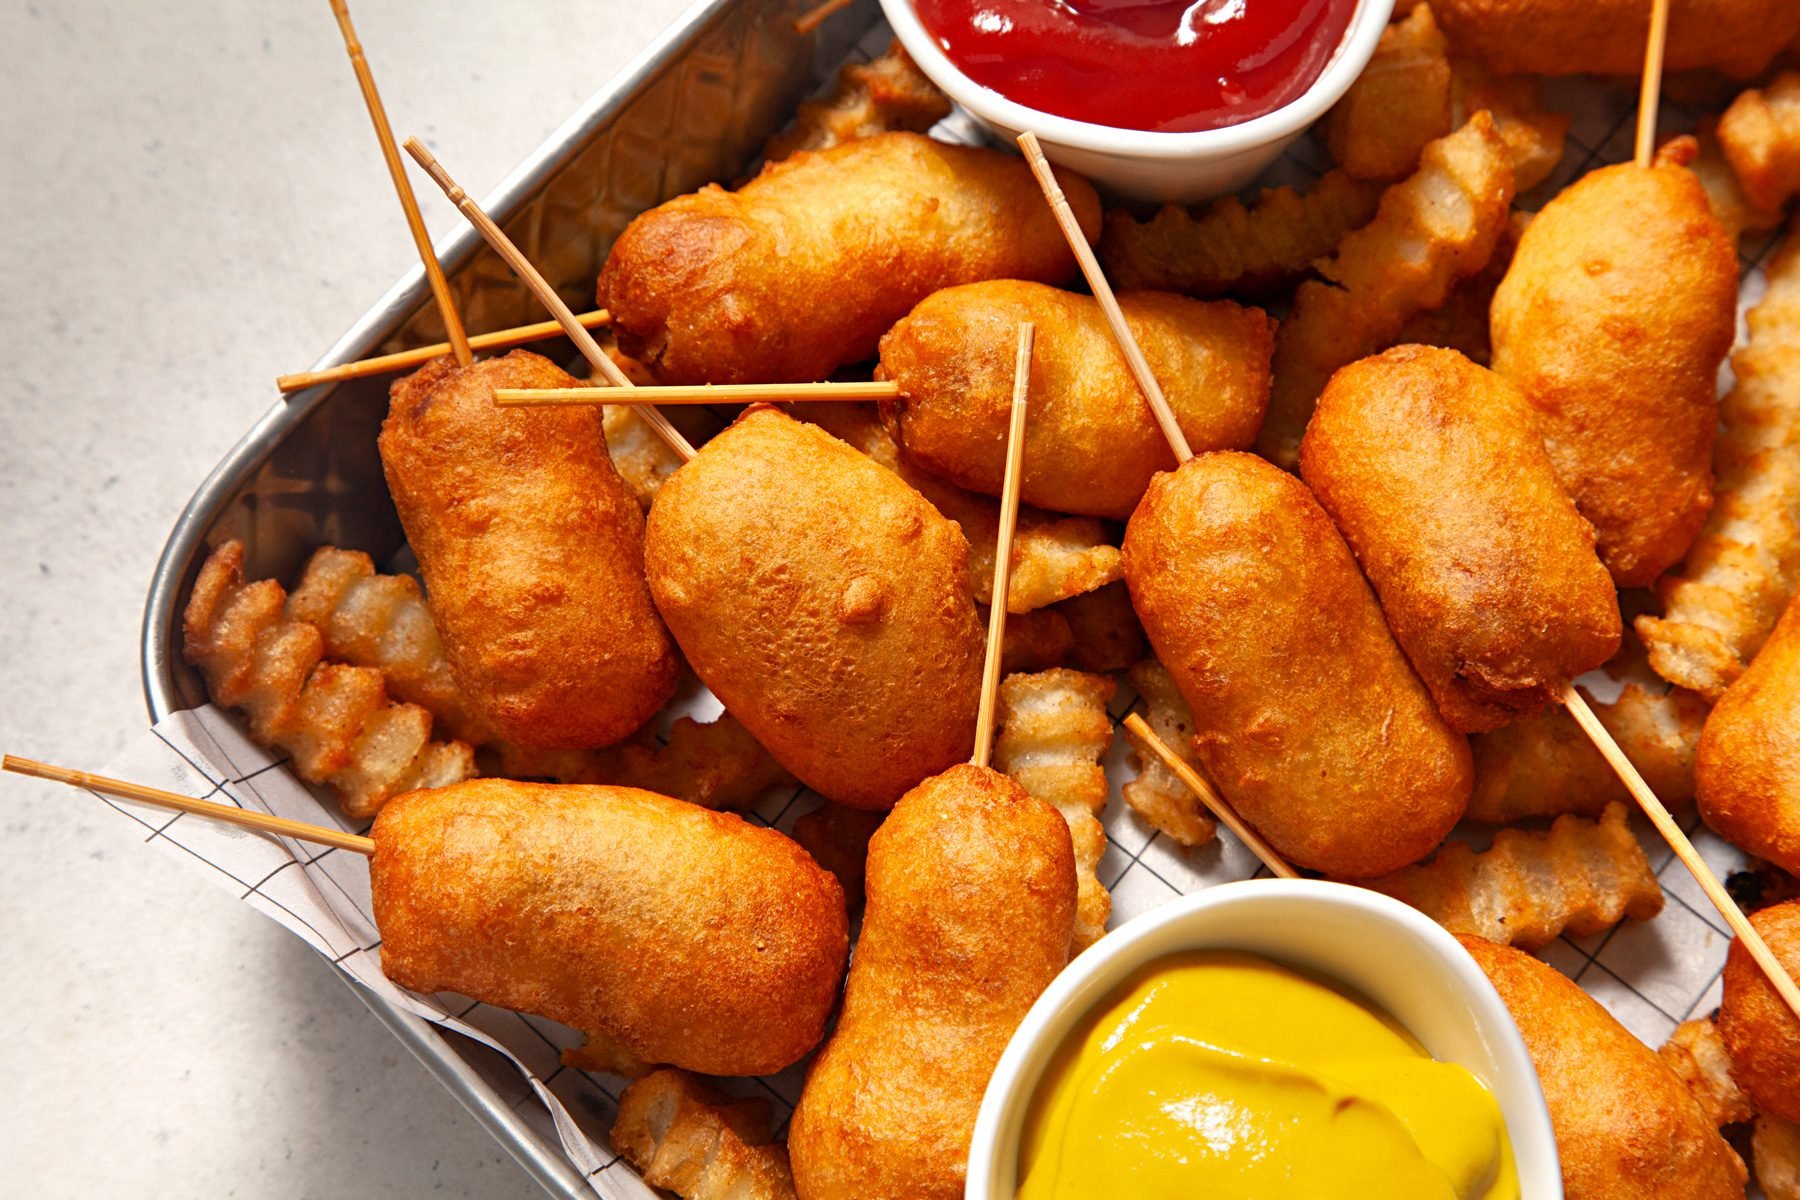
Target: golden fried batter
{"x":824,"y":602}
{"x":1626,"y":1128}
{"x":1092,"y":442}
{"x":805,"y":267}
{"x":689,"y":937}
{"x":1308,"y":718}
{"x":532,"y":550}
{"x":1434,"y":473}
{"x":970,"y":909}
{"x":1618,"y":308}
{"x":1606,"y":37}
{"x":1748,"y":770}
{"x":1759,"y":1030}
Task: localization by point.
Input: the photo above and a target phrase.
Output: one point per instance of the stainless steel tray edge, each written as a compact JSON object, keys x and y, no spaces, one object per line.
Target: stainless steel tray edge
{"x":402,"y":316}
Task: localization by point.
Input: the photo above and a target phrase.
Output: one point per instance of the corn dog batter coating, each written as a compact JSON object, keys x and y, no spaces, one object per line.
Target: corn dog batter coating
{"x":1618,"y":308}
{"x":1748,"y":771}
{"x":805,"y":267}
{"x":1307,"y":717}
{"x":1756,"y":1024}
{"x":532,"y":550}
{"x":1606,"y":37}
{"x":689,"y":937}
{"x":1434,"y":473}
{"x":824,"y":602}
{"x":1092,"y":442}
{"x":1626,"y":1127}
{"x":971,"y":904}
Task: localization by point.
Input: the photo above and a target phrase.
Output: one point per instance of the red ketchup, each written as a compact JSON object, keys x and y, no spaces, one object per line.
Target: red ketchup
{"x":1169,"y":66}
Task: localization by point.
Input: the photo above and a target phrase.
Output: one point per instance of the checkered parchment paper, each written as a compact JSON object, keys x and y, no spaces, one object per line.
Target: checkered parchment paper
{"x":1651,"y":975}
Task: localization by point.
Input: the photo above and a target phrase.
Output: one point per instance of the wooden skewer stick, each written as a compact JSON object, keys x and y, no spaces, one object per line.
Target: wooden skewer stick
{"x":1684,"y":849}
{"x":434,"y":271}
{"x":400,"y":360}
{"x":813,"y":18}
{"x":1109,"y":304}
{"x":1140,"y":729}
{"x":1009,"y":520}
{"x":262,"y":822}
{"x":540,"y":287}
{"x":1650,"y":92}
{"x":700,"y":393}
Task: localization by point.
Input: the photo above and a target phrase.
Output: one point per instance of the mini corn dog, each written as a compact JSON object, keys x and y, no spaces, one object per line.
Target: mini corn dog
{"x":1759,"y":1030}
{"x":1747,"y":773}
{"x":1606,"y":37}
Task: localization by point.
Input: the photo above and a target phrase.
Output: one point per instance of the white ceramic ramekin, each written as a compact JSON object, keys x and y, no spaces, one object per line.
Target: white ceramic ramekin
{"x":1181,"y":167}
{"x":1395,"y":956}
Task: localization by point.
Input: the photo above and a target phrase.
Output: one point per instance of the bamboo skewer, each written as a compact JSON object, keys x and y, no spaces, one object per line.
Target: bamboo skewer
{"x":1140,"y":729}
{"x":409,"y":203}
{"x":700,"y":393}
{"x":400,"y":360}
{"x":1009,"y":520}
{"x":1109,"y":304}
{"x":1650,"y":91}
{"x":813,"y":18}
{"x":540,"y":287}
{"x":229,"y":813}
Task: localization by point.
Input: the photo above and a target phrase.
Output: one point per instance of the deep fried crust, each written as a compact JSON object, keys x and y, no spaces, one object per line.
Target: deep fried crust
{"x":689,"y":937}
{"x":1626,"y":1128}
{"x":1762,"y":1035}
{"x":1092,"y":443}
{"x":1434,"y":473}
{"x":805,"y":267}
{"x":1747,"y":774}
{"x":1618,"y":308}
{"x":971,"y":905}
{"x":1606,"y":37}
{"x":824,"y":602}
{"x":532,"y":550}
{"x":1307,"y":716}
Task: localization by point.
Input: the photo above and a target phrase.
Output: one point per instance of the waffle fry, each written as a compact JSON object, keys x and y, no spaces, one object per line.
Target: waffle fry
{"x":716,"y":764}
{"x":1745,"y":564}
{"x":1578,"y":878}
{"x":1439,"y":225}
{"x":336,"y":721}
{"x":1401,"y":101}
{"x":1157,"y":795}
{"x":382,"y":621}
{"x":1697,"y":1055}
{"x":1760,"y":136}
{"x":1227,"y":247}
{"x":838,"y":839}
{"x":886,"y":93}
{"x":1053,"y":731}
{"x":682,"y":1135}
{"x":1775,"y":1155}
{"x":1107,"y":634}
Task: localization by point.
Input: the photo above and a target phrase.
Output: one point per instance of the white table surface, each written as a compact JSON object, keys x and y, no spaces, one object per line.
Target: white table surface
{"x":191,"y":203}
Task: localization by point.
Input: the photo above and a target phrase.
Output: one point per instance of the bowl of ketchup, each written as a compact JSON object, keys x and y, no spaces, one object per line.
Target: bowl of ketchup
{"x":1169,"y":100}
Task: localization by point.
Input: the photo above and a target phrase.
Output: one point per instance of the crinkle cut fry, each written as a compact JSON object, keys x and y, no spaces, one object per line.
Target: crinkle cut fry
{"x":336,"y":721}
{"x":1157,"y":794}
{"x":1745,"y":564}
{"x":1439,"y":225}
{"x":1399,"y":103}
{"x":1229,"y":247}
{"x":1533,"y":134}
{"x":716,"y":764}
{"x":1579,"y":878}
{"x":682,"y":1135}
{"x":1697,"y":1055}
{"x":1760,"y":136}
{"x":838,"y":839}
{"x":886,"y":93}
{"x":1053,"y":730}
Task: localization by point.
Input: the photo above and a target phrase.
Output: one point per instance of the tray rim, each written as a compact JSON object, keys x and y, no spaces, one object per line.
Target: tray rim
{"x":542,"y":1160}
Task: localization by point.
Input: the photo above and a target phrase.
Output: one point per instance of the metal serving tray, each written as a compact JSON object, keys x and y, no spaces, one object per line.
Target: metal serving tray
{"x":695,"y":107}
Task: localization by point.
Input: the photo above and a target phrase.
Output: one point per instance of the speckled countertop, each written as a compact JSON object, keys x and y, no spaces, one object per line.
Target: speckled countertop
{"x":193,"y":203}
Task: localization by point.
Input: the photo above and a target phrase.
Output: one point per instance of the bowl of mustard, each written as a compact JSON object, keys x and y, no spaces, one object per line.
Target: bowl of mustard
{"x":1276,"y":1039}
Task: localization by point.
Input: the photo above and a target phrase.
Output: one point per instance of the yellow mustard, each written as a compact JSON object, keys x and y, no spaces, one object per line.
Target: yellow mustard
{"x":1225,"y":1075}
